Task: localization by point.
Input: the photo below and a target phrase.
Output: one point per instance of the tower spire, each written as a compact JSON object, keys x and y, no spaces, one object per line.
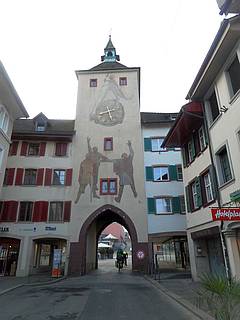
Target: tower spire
{"x":110,"y":52}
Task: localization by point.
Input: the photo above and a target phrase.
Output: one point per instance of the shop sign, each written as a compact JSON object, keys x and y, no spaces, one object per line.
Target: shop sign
{"x":49,"y":228}
{"x":4,"y":229}
{"x":57,"y":257}
{"x":225,"y":214}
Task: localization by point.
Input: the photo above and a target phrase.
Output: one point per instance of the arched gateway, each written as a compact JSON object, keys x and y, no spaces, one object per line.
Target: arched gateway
{"x":108,"y":167}
{"x":84,"y":252}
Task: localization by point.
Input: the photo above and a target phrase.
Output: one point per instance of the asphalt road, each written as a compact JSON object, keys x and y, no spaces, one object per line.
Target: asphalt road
{"x":105,"y":294}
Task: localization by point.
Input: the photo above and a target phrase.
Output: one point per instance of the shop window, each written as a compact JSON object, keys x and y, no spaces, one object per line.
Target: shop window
{"x":224,"y":168}
{"x":56,"y":211}
{"x":108,"y":186}
{"x":93,"y":83}
{"x":160,"y":174}
{"x":179,"y":173}
{"x":163,"y":205}
{"x":30,"y":177}
{"x":123,"y":81}
{"x":213,"y":105}
{"x":4,"y":119}
{"x":234,"y":76}
{"x":61,"y":149}
{"x":108,"y":144}
{"x":25,"y":211}
{"x":59,"y":177}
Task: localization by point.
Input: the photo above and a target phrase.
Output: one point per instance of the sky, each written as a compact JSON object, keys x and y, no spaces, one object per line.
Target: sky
{"x":44,"y":42}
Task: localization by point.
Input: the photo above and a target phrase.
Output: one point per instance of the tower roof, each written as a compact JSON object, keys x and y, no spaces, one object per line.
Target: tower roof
{"x":110,"y":52}
{"x":109,"y":44}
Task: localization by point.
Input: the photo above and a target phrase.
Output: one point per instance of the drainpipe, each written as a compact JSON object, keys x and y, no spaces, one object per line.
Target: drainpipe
{"x":222,"y":238}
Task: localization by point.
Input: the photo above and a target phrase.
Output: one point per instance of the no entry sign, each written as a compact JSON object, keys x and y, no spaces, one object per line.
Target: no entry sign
{"x":225,"y":214}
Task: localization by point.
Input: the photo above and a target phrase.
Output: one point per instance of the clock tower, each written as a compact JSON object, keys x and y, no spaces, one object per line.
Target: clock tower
{"x":108,"y":161}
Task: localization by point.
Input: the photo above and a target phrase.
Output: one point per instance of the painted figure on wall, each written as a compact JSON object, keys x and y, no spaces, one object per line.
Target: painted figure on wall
{"x":124,"y":169}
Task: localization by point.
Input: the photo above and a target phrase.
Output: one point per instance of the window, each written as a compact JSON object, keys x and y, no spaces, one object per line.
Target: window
{"x":224,"y":166}
{"x":4,"y":119}
{"x":40,"y":127}
{"x":25,"y":211}
{"x":108,"y":144}
{"x":160,"y":174}
{"x":213,"y":104}
{"x":33,"y":149}
{"x":59,"y":177}
{"x":191,"y":150}
{"x":208,"y":187}
{"x":123,"y":81}
{"x":61,"y":149}
{"x":156,"y":144}
{"x":108,"y":186}
{"x":182,"y":204}
{"x":194,"y":195}
{"x":56,"y":211}
{"x":234,"y":75}
{"x":30,"y":177}
{"x":179,"y":173}
{"x":93,"y":82}
{"x":163,"y":205}
{"x":202,"y":139}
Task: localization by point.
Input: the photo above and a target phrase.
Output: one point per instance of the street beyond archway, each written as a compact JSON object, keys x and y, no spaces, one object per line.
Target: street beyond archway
{"x":103,"y":294}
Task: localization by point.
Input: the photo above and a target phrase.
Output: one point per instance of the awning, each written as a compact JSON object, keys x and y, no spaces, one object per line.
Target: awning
{"x":190,"y":118}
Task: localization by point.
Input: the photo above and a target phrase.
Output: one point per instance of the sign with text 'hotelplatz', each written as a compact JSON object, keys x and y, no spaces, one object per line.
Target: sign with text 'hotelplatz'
{"x":225,"y":214}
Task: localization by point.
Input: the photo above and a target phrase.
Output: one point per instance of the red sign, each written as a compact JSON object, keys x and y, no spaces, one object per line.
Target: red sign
{"x":225,"y":214}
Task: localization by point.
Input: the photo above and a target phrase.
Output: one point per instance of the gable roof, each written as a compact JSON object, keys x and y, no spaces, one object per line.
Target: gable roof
{"x":153,"y":117}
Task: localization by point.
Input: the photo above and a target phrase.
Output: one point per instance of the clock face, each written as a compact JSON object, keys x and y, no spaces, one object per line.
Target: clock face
{"x":108,"y":113}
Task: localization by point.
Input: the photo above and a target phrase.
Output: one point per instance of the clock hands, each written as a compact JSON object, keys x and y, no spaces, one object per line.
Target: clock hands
{"x":108,"y":111}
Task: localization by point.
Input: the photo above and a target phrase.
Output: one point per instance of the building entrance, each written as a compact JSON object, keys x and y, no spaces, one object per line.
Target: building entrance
{"x":9,"y":250}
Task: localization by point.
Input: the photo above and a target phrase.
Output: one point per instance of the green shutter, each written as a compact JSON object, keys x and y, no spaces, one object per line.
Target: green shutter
{"x":187,"y":197}
{"x":149,"y":173}
{"x":147,"y":144}
{"x":199,"y":193}
{"x":176,"y":207}
{"x":183,"y":150}
{"x":151,"y":205}
{"x":172,"y":172}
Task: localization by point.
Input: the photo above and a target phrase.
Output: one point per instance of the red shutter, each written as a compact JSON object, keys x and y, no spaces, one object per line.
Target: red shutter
{"x":10,"y":176}
{"x":13,"y":148}
{"x":19,"y":177}
{"x":40,"y":211}
{"x":48,"y":177}
{"x":39,"y":180}
{"x":69,"y":177}
{"x":67,"y":211}
{"x":24,"y":148}
{"x":9,"y":212}
{"x":42,"y":148}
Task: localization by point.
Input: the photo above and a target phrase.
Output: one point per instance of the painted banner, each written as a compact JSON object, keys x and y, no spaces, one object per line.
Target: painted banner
{"x":225,"y":214}
{"x":57,"y":256}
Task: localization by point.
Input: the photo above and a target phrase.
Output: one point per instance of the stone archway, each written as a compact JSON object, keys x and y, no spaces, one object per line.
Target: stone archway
{"x":98,"y":220}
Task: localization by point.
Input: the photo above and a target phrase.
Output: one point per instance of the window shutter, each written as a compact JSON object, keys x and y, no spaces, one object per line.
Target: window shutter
{"x":176,"y":207}
{"x":172,"y":172}
{"x":184,"y":157}
{"x":205,"y":134}
{"x":9,"y":212}
{"x":13,"y":148}
{"x":40,"y":211}
{"x":24,"y":148}
{"x":67,"y":211}
{"x":147,"y":144}
{"x":199,"y":193}
{"x":187,"y":197}
{"x":204,"y":196}
{"x":193,"y":148}
{"x":69,"y":177}
{"x":149,"y":173}
{"x":213,"y":181}
{"x":48,"y":177}
{"x":19,"y":177}
{"x":10,"y":176}
{"x":151,"y":205}
{"x":39,"y":180}
{"x":42,"y":149}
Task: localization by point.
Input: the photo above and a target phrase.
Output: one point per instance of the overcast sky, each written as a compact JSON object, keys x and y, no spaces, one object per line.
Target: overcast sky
{"x":44,"y":42}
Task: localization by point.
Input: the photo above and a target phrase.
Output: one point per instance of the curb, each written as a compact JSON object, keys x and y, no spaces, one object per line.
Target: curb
{"x":189,"y":306}
{"x":34,"y":284}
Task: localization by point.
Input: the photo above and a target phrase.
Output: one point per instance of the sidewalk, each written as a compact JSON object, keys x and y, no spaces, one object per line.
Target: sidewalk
{"x":10,"y":283}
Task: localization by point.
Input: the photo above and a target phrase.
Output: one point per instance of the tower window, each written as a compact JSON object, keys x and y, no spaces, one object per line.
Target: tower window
{"x":108,"y":144}
{"x":93,"y":82}
{"x":123,"y":81}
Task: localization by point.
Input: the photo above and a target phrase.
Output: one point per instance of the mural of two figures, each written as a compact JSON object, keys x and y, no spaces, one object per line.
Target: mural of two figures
{"x":89,"y":171}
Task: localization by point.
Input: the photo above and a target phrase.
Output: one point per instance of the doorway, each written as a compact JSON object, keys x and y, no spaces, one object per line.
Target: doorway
{"x":9,"y":251}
